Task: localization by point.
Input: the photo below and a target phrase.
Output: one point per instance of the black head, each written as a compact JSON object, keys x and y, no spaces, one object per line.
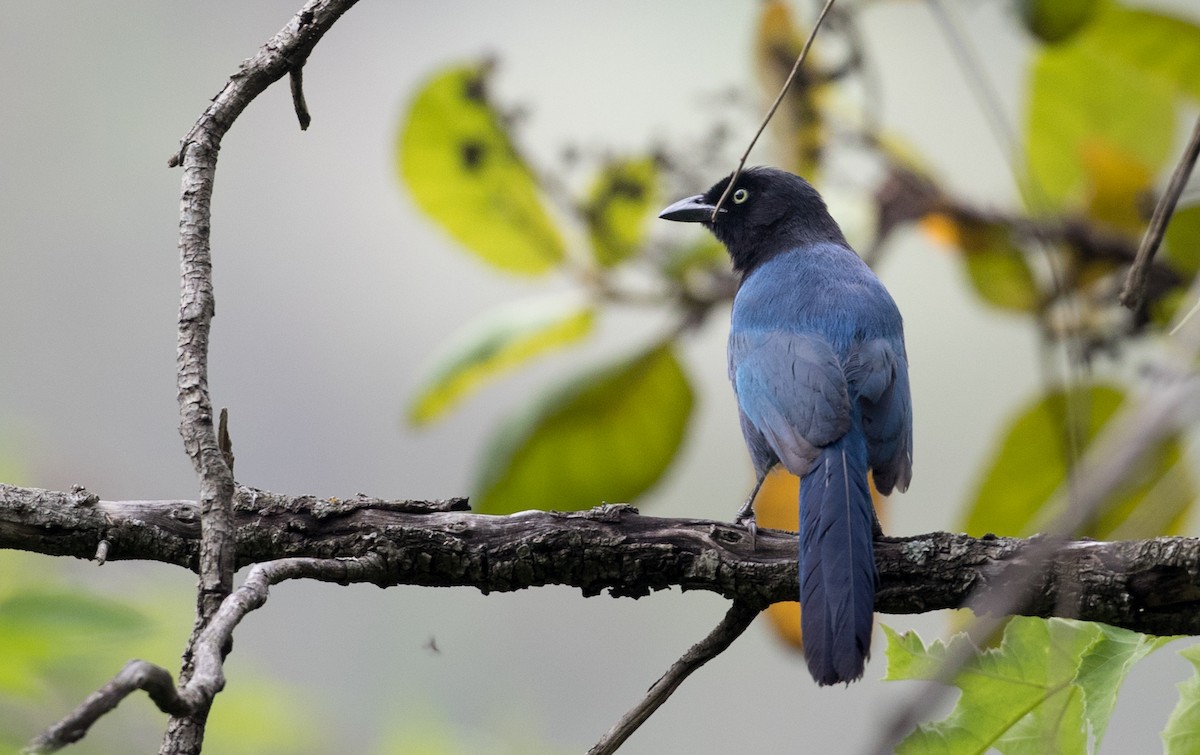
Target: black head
{"x":769,"y":211}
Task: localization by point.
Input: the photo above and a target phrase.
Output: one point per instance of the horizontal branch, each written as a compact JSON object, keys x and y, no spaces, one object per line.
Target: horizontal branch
{"x":1151,"y":586}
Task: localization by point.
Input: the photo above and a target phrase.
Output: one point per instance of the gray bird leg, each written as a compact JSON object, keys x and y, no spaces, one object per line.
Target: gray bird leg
{"x":745,"y":515}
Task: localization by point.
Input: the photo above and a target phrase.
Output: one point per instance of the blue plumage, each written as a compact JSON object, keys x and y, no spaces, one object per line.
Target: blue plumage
{"x":817,"y":361}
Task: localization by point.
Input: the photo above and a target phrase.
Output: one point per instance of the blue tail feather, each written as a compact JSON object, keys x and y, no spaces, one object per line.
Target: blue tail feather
{"x":837,"y":561}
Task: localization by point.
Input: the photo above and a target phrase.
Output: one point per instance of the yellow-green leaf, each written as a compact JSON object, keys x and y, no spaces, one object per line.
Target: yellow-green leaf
{"x":455,"y":155}
{"x":1105,"y":666}
{"x":607,"y":436}
{"x":1079,"y":97}
{"x":498,"y":341}
{"x":1182,"y":735}
{"x":1030,"y":465}
{"x":618,"y":206}
{"x":995,"y":266}
{"x":1162,"y":47}
{"x":1049,"y":687}
{"x":1000,"y":274}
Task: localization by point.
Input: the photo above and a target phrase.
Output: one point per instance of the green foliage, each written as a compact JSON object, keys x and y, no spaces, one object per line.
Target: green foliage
{"x":1049,"y":687}
{"x":496,"y":342}
{"x":1182,"y":735}
{"x":1083,"y":99}
{"x":999,"y":273}
{"x":46,"y":631}
{"x":604,"y":436}
{"x":1031,"y":465}
{"x":457,"y":157}
{"x":995,"y":264}
{"x":618,"y":207}
{"x":1161,"y":47}
{"x":1111,"y":88}
{"x":458,"y":161}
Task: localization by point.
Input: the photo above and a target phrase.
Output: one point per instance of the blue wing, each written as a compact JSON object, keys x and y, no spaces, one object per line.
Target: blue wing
{"x":792,"y":395}
{"x":877,"y":372}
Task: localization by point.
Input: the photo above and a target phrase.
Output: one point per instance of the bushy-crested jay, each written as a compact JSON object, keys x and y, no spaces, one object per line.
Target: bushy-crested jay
{"x":817,"y":361}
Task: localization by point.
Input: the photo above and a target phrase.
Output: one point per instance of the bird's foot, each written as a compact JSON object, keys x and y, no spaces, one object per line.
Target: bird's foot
{"x":745,"y":518}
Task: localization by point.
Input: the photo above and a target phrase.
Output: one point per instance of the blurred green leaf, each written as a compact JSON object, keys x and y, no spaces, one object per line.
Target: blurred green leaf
{"x":456,"y":156}
{"x":42,"y":629}
{"x":496,"y":342}
{"x":1030,"y":466}
{"x":1164,"y":48}
{"x":1181,"y":241}
{"x":618,"y":207}
{"x":1000,"y":274}
{"x":1055,"y":20}
{"x":1182,"y":735}
{"x":606,"y":436}
{"x":1042,"y":690}
{"x":1082,"y":99}
{"x":995,"y":266}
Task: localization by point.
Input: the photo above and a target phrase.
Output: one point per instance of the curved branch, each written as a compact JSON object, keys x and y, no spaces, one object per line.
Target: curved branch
{"x":208,"y":676}
{"x":1150,"y":586}
{"x":284,"y":53}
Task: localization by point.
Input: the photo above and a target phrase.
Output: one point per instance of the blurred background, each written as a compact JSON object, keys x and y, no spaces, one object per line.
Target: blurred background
{"x":336,"y":293}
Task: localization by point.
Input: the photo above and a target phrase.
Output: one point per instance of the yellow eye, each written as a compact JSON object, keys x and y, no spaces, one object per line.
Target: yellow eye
{"x":740,"y":196}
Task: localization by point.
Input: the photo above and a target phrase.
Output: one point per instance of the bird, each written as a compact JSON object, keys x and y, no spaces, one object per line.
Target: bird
{"x":817,"y":361}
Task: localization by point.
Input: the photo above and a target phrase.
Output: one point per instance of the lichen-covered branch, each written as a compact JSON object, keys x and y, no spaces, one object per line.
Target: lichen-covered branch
{"x":1149,"y":585}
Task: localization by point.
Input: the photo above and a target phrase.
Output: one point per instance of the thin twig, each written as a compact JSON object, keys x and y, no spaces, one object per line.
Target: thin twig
{"x":224,"y":440}
{"x":774,"y":106}
{"x":735,"y":622}
{"x":296,"y":76}
{"x":1135,"y":282}
{"x":209,"y":677}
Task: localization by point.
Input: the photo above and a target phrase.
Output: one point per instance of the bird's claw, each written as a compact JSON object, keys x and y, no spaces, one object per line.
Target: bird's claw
{"x":745,"y":518}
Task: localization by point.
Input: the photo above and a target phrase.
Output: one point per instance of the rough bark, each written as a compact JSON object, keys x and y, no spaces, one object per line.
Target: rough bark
{"x":1150,"y":585}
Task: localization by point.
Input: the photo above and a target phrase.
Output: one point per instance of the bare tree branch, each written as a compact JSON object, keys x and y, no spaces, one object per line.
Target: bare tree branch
{"x":1147,"y":585}
{"x":1135,"y":283}
{"x":284,"y":53}
{"x":735,"y":622}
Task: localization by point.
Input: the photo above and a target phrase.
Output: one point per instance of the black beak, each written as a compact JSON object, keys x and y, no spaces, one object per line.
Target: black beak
{"x":690,"y":210}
